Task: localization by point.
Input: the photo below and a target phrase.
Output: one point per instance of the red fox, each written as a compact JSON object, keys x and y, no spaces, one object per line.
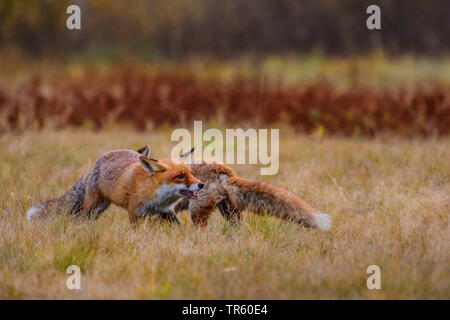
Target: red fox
{"x":231,"y":195}
{"x":131,"y":180}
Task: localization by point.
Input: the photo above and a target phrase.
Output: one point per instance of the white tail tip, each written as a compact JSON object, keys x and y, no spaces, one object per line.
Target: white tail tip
{"x":32,"y":213}
{"x":323,"y":221}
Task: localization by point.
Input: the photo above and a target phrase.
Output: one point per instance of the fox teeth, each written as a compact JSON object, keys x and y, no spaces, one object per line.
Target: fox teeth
{"x":190,"y":194}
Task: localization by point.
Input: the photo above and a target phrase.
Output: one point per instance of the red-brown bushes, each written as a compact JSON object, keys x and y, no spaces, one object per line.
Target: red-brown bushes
{"x":138,"y":98}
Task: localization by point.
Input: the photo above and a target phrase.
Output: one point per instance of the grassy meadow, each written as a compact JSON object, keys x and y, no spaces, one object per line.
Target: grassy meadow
{"x":389,"y":198}
{"x":364,"y":120}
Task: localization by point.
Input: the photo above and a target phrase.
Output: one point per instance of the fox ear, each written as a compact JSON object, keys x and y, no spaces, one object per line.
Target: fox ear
{"x":186,"y":154}
{"x":152,"y":165}
{"x":145,"y":151}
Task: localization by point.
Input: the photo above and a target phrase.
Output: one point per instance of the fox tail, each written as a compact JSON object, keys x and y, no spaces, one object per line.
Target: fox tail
{"x":72,"y":200}
{"x":264,"y":198}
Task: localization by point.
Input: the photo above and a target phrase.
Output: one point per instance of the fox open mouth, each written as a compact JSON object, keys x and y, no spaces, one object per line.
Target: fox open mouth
{"x":189,"y":194}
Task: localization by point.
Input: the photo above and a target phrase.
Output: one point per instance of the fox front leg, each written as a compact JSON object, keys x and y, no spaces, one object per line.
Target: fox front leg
{"x":136,"y":211}
{"x":229,"y":211}
{"x":145,"y":211}
{"x":168,"y":216}
{"x":201,"y":211}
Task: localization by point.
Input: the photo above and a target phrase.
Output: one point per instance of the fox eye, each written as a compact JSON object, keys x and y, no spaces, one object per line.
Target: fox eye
{"x":180,"y":176}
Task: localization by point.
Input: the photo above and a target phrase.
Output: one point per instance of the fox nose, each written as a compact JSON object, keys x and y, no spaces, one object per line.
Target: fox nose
{"x":201,"y":185}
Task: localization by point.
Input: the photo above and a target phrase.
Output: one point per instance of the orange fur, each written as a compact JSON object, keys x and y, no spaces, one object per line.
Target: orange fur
{"x":232,"y":195}
{"x":128,"y":179}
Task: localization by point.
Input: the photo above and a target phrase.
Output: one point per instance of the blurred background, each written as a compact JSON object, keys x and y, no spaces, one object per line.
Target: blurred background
{"x":313,"y":65}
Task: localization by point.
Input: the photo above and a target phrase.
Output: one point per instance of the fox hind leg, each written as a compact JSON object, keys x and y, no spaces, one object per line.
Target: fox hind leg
{"x":103,"y":205}
{"x":94,"y":204}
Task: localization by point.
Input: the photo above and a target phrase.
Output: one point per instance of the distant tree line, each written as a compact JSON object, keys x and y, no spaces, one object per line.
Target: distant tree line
{"x":226,"y":28}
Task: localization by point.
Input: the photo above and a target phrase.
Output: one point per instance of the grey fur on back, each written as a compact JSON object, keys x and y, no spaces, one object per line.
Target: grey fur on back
{"x":108,"y":166}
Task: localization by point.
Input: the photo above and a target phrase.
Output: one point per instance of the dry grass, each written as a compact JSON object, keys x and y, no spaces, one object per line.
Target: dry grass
{"x":389,"y":199}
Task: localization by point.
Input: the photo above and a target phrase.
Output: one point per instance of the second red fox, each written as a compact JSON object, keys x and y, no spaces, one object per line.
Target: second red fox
{"x":232,"y":195}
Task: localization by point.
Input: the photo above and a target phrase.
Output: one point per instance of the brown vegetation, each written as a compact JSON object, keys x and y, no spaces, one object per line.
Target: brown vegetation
{"x":127,"y":95}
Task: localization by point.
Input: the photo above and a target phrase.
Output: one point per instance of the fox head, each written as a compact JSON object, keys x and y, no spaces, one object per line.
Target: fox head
{"x":174,"y":179}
